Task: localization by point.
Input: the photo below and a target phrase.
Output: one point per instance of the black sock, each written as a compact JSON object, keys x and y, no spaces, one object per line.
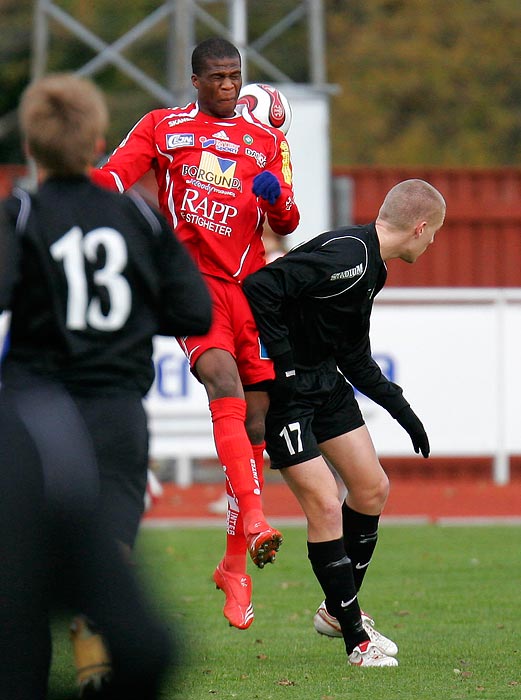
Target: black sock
{"x":333,"y":570}
{"x":360,"y":537}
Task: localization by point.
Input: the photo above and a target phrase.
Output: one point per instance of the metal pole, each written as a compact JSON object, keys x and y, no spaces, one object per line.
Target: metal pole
{"x":317,"y":46}
{"x":501,"y":467}
{"x":40,"y":40}
{"x":180,"y":45}
{"x":238,"y":21}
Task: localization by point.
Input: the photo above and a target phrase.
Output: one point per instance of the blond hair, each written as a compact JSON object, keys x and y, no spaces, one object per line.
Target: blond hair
{"x":412,"y":201}
{"x":62,"y":117}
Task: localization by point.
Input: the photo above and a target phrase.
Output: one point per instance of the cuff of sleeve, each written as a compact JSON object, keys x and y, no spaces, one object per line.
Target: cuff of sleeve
{"x":279,"y":347}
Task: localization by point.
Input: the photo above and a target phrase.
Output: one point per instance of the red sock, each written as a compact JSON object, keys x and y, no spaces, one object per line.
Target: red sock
{"x":258,"y":456}
{"x":235,"y":453}
{"x":236,"y":546}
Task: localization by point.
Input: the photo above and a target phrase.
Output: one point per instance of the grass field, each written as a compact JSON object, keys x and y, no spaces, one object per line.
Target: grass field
{"x":449,"y":597}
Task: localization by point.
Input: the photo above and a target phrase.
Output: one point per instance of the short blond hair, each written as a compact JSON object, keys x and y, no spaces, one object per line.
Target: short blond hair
{"x":412,"y":201}
{"x":62,"y":117}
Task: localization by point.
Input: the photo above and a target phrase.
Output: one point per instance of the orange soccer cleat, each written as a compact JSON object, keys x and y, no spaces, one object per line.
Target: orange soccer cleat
{"x":238,"y":608}
{"x":263,"y":543}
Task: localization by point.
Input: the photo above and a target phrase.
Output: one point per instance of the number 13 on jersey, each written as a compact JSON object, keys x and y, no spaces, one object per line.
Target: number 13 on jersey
{"x":73,"y":248}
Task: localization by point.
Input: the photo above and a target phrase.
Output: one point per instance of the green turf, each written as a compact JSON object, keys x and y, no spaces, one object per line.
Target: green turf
{"x":449,"y":597}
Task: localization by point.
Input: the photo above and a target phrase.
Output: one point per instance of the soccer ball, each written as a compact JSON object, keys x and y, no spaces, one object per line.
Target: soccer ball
{"x":267,"y":104}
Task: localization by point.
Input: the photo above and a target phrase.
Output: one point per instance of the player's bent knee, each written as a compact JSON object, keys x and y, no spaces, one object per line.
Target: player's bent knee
{"x":371,"y":497}
{"x":382,"y":491}
{"x":324,"y":515}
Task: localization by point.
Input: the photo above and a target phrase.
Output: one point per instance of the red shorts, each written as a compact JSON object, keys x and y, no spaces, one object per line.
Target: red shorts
{"x":233,"y":329}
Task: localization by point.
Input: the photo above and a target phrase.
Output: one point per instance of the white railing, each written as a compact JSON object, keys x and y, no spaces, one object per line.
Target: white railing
{"x":455,"y":352}
{"x":478,"y":331}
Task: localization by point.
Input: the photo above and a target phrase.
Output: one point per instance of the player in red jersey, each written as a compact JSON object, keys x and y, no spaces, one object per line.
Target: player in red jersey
{"x":220,"y":175}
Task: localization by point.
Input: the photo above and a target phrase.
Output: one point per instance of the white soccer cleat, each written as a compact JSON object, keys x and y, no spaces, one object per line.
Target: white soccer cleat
{"x":386,"y":645}
{"x":325,"y":623}
{"x":367,"y":655}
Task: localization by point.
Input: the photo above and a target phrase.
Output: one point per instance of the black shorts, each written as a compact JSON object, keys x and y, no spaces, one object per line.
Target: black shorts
{"x":118,"y":427}
{"x":323,"y":408}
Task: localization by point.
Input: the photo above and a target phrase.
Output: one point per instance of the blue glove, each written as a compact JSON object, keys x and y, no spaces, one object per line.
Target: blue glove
{"x":267,"y":186}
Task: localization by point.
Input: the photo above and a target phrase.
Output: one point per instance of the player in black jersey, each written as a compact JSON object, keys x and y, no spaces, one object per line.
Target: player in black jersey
{"x":313,"y":309}
{"x":89,"y":276}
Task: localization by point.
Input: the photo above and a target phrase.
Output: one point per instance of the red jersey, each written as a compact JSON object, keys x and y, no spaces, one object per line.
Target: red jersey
{"x":204,"y":169}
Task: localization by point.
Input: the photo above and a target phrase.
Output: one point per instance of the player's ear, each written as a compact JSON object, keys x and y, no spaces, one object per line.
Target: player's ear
{"x":419,"y":229}
{"x":99,"y":149}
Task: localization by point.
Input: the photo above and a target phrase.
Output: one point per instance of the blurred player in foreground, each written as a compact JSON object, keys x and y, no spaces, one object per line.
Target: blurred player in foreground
{"x":220,"y":175}
{"x":90,"y":276}
{"x":312,"y":308}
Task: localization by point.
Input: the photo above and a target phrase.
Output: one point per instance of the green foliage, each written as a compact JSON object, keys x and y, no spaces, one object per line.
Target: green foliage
{"x":448,"y":596}
{"x":15,"y":33}
{"x":420,"y":83}
{"x":286,"y":50}
{"x":425,"y":83}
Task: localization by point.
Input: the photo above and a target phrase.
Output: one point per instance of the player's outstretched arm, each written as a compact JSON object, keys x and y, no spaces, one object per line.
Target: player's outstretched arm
{"x":132,"y":158}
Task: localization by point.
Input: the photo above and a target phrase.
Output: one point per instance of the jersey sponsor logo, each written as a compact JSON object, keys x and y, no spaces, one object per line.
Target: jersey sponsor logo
{"x":215,"y":171}
{"x":224,"y":146}
{"x":210,"y":188}
{"x":347,"y":274}
{"x":179,"y":140}
{"x":175,"y":122}
{"x":286,"y":166}
{"x":202,"y":211}
{"x":221,"y":135}
{"x":259,"y":157}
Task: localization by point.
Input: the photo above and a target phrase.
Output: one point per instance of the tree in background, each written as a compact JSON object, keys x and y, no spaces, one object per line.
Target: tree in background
{"x":15,"y":41}
{"x":421,"y":83}
{"x":425,"y":83}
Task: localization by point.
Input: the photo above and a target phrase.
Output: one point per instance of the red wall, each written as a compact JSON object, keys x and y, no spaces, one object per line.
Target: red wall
{"x":9,"y":174}
{"x":480,"y":243}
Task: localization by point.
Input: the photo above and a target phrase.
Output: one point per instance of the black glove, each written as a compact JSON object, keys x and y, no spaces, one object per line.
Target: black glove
{"x":285,"y":382}
{"x":267,"y":186}
{"x":408,"y":419}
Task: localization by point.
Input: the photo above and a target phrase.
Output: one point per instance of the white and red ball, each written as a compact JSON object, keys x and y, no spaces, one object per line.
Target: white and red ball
{"x":268,"y":104}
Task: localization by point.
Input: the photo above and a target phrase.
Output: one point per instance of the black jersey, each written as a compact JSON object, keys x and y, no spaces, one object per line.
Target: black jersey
{"x":317,"y":300}
{"x":90,"y":276}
